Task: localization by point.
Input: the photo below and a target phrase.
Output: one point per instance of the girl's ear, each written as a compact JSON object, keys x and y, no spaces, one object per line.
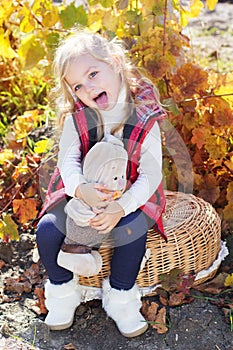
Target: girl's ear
{"x":117,"y":64}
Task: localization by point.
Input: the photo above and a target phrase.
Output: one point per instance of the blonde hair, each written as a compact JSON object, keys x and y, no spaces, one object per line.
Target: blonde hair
{"x":84,"y":42}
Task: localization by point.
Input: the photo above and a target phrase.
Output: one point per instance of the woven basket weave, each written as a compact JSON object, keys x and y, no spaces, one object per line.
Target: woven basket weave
{"x":194,"y":237}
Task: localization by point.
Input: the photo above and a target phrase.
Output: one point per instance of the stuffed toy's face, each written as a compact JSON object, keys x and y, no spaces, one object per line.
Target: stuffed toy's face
{"x":113,"y":174}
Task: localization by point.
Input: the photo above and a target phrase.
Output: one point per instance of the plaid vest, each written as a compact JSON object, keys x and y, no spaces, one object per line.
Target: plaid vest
{"x":135,"y":130}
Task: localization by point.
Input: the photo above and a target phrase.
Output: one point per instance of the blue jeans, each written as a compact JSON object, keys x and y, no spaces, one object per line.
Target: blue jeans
{"x":129,"y":238}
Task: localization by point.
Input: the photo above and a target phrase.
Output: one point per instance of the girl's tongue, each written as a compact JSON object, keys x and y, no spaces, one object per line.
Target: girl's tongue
{"x":102,"y":100}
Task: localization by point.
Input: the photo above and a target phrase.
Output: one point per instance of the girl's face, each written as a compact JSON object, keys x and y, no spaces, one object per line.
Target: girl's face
{"x":94,"y":82}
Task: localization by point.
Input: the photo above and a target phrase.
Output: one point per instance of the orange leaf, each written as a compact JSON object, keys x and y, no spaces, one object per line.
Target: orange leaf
{"x":190,"y":79}
{"x":199,"y":136}
{"x":160,"y":321}
{"x":2,"y":264}
{"x":39,"y":293}
{"x":31,"y":191}
{"x":25,"y":209}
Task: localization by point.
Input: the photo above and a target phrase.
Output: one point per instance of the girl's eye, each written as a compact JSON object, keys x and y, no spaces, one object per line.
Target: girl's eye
{"x":77,"y":87}
{"x":115,"y":178}
{"x":92,"y":74}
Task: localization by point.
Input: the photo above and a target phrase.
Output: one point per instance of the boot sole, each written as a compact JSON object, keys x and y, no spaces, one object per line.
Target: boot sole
{"x":60,"y":327}
{"x":136,"y":333}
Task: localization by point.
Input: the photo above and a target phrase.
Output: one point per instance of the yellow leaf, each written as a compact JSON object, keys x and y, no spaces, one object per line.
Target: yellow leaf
{"x":8,"y":228}
{"x":216,"y":147}
{"x":5,"y":46}
{"x":229,"y":281}
{"x":43,"y":146}
{"x":211,"y":4}
{"x":194,"y":10}
{"x":50,"y":18}
{"x":31,"y":51}
{"x":6,"y":10}
{"x":110,"y":21}
{"x":5,"y":155}
{"x":21,"y":168}
{"x":225,"y":87}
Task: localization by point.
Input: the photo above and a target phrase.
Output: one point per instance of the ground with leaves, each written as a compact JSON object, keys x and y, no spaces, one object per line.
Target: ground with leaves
{"x":203,"y":321}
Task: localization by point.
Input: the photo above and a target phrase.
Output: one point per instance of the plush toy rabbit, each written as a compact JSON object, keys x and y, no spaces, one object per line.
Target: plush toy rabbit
{"x":106,"y":163}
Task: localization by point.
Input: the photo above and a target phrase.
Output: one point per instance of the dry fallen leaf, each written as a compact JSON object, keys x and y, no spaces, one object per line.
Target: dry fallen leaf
{"x":160,"y":321}
{"x":2,"y":264}
{"x":33,"y":274}
{"x":69,"y":346}
{"x":15,"y":285}
{"x":214,"y":286}
{"x":39,"y":293}
{"x":157,"y":319}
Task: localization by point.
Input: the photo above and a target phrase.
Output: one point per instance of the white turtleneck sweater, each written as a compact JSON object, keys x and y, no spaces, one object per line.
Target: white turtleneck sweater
{"x":150,"y":164}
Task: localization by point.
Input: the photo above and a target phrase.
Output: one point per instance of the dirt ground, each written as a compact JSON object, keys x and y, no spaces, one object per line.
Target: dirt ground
{"x":199,"y":325}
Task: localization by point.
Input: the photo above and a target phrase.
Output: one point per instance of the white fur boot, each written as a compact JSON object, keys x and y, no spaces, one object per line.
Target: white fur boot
{"x":123,"y":306}
{"x":61,"y":300}
{"x":86,"y":265}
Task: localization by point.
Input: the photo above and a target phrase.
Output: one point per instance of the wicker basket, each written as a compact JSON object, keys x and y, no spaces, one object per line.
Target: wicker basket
{"x":194,"y":237}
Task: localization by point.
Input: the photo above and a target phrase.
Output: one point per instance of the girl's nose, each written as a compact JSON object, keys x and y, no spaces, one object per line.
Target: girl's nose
{"x":89,"y":86}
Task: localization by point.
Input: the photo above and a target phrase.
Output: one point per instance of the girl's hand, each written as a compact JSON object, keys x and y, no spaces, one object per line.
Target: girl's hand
{"x":93,"y":194}
{"x":105,"y":221}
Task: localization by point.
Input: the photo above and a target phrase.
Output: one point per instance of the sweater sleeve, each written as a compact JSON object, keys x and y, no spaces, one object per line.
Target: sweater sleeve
{"x":69,"y":157}
{"x":150,"y":173}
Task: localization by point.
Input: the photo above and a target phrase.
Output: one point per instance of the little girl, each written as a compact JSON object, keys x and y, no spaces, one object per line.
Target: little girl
{"x":100,"y":93}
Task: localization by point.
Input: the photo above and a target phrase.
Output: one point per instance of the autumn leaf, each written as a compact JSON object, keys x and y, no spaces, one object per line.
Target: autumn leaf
{"x":2,"y":264}
{"x":229,"y":281}
{"x":8,"y":228}
{"x":25,"y":209}
{"x":69,"y":346}
{"x":210,"y":190}
{"x":6,"y":155}
{"x":186,"y":283}
{"x":228,"y":212}
{"x":39,"y":294}
{"x":170,"y":281}
{"x":199,"y":136}
{"x":43,"y":146}
{"x":211,"y":4}
{"x":216,"y":146}
{"x":229,"y":164}
{"x":230,"y":191}
{"x":192,"y":11}
{"x":149,"y":310}
{"x":176,"y":299}
{"x":160,"y":321}
{"x":17,"y":286}
{"x":190,"y":80}
{"x":156,"y":318}
{"x":214,"y":286}
{"x":32,"y":274}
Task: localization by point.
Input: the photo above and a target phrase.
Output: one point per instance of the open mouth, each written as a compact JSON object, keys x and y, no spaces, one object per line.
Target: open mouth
{"x":102,"y":100}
